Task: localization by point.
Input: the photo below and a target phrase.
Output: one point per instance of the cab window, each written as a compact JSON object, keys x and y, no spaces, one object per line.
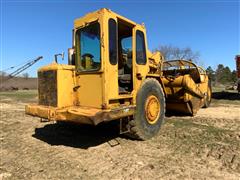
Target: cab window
{"x":140,"y":48}
{"x":112,"y":26}
{"x":88,"y":47}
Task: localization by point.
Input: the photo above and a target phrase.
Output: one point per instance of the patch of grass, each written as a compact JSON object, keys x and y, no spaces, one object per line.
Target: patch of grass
{"x":218,"y":88}
{"x":183,"y":123}
{"x":191,"y":134}
{"x":21,"y":95}
{"x":224,"y":102}
{"x":222,"y":96}
{"x":204,"y":141}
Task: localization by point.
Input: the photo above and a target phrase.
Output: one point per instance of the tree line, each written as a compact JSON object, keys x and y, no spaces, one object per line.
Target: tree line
{"x":222,"y":75}
{"x":4,"y":74}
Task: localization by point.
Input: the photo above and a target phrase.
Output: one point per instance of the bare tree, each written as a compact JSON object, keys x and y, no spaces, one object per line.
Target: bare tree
{"x":170,"y":52}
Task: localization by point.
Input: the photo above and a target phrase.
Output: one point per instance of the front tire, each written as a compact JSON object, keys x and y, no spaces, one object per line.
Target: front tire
{"x":150,"y":110}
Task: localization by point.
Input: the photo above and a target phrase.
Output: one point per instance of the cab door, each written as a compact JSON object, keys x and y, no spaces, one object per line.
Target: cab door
{"x":140,"y":63}
{"x":111,"y":62}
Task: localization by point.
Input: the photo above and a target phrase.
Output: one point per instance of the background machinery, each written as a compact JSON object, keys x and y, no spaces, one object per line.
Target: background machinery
{"x":21,"y":68}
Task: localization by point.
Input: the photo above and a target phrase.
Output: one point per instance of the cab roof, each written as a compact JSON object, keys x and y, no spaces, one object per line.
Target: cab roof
{"x":93,"y":16}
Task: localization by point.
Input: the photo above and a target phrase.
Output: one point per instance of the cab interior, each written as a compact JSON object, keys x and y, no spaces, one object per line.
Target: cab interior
{"x":125,"y":36}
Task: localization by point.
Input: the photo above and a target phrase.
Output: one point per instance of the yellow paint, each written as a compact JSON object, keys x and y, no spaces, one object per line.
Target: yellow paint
{"x":65,"y":83}
{"x":187,"y":90}
{"x":91,"y":90}
{"x":152,"y":109}
{"x":82,"y":96}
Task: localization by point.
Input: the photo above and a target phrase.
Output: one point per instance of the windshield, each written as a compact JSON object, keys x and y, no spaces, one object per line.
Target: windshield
{"x":88,"y":48}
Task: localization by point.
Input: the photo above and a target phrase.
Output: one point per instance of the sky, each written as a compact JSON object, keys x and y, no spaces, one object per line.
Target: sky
{"x":32,"y":28}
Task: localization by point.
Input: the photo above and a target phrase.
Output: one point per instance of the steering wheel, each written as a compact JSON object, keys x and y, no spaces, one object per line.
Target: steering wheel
{"x":87,"y":55}
{"x":87,"y":61}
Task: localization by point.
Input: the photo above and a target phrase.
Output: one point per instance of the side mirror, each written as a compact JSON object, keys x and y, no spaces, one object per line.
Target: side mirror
{"x":56,"y":55}
{"x":71,"y":56}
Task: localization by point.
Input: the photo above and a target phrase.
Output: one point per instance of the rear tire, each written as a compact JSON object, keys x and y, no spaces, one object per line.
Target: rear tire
{"x":150,"y":111}
{"x":208,"y":98}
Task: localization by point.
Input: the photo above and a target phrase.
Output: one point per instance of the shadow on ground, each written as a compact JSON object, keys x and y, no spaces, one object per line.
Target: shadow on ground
{"x":226,"y":95}
{"x":85,"y":136}
{"x":170,"y":113}
{"x":78,"y":136}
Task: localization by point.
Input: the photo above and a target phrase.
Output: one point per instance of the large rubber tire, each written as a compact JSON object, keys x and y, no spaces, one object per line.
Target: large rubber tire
{"x":141,"y":127}
{"x":208,"y":98}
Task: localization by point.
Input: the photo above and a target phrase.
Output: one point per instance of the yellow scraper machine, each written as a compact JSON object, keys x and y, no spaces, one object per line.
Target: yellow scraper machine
{"x":111,"y":75}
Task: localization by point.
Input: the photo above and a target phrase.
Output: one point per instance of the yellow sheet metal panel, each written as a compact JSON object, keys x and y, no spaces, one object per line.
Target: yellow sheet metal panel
{"x":111,"y":71}
{"x":55,"y":85}
{"x":90,"y":91}
{"x":185,"y":82}
{"x":99,"y":13}
{"x":55,"y":66}
{"x":66,"y":84}
{"x":139,"y":71}
{"x":111,"y":81}
{"x":203,"y":86}
{"x":90,"y":17}
{"x":78,"y":114}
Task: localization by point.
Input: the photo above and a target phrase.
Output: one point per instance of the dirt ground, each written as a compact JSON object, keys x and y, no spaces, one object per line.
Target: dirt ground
{"x":206,"y":146}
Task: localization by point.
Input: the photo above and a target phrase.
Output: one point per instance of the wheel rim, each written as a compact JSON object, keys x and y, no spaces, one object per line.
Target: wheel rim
{"x":152,"y":109}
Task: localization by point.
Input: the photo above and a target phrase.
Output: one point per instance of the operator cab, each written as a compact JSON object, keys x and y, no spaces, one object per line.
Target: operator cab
{"x":109,"y":53}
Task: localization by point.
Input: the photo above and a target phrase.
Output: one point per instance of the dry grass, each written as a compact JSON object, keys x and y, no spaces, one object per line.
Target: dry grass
{"x":206,"y":146}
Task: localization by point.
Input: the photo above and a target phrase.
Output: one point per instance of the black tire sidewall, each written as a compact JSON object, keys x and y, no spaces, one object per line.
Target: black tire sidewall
{"x":150,"y":87}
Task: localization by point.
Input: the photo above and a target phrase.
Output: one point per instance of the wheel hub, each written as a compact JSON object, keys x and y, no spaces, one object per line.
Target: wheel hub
{"x":152,"y":109}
